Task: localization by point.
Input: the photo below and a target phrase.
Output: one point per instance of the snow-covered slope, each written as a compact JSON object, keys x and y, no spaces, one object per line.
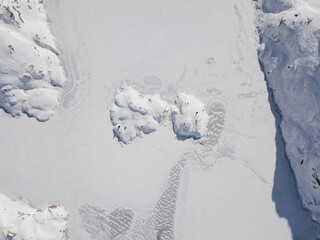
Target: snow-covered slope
{"x":19,"y":221}
{"x":290,"y":58}
{"x":31,"y":74}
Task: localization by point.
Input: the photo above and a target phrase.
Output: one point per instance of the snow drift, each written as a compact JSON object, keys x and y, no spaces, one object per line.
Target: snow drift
{"x":31,"y":74}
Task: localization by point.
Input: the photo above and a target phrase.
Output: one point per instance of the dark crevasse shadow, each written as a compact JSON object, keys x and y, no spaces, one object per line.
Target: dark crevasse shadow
{"x":284,"y":192}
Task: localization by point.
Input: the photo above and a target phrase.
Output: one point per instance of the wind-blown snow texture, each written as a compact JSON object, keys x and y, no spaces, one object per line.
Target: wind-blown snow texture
{"x":19,"y":221}
{"x":289,"y":56}
{"x":31,"y":74}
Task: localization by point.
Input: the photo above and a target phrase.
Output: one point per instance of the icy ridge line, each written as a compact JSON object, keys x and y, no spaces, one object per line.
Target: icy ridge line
{"x":290,"y":58}
{"x":19,"y":221}
{"x":133,"y":114}
{"x":31,"y":75}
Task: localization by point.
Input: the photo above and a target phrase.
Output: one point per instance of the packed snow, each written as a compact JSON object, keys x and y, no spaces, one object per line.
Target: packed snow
{"x":134,"y":114}
{"x":31,"y":74}
{"x":19,"y":221}
{"x":290,"y":58}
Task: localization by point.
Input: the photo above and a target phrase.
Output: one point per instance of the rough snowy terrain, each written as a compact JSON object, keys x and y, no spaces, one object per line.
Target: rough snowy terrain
{"x":290,"y":58}
{"x":31,"y":74}
{"x":19,"y":221}
{"x":232,"y":183}
{"x":134,"y":114}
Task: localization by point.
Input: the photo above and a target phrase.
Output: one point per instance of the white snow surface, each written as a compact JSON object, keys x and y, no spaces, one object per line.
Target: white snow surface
{"x":290,"y":57}
{"x":19,"y":221}
{"x":134,"y":114}
{"x":235,"y":185}
{"x":31,"y":73}
{"x":189,"y":117}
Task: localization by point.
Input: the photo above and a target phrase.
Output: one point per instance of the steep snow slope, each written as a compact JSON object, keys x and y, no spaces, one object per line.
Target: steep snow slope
{"x":159,"y":186}
{"x":31,"y":74}
{"x":19,"y":221}
{"x":290,"y":58}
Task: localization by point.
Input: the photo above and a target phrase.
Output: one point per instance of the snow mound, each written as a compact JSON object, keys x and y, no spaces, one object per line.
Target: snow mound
{"x":31,"y":73}
{"x":190,"y":119}
{"x":134,"y":114}
{"x":19,"y":221}
{"x":290,"y":59}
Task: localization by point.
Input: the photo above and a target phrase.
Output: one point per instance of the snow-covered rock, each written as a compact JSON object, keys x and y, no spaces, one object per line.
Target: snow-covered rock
{"x":19,"y":221}
{"x":31,"y":73}
{"x":134,"y":114}
{"x":190,"y":119}
{"x":290,"y":59}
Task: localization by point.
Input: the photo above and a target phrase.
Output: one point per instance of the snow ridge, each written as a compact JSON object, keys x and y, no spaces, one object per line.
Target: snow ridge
{"x":290,"y":58}
{"x":134,"y":114}
{"x":31,"y":74}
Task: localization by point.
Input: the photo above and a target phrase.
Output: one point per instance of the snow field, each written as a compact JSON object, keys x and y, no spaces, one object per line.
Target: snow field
{"x":80,"y":141}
